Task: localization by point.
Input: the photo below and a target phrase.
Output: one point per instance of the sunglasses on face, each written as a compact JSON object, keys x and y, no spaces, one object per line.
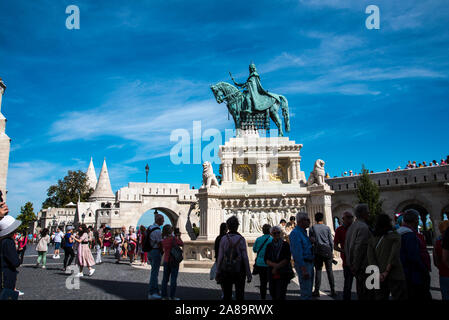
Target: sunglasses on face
{"x":277,"y":232}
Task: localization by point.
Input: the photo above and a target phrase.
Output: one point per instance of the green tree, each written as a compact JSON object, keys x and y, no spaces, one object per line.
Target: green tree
{"x":69,"y":189}
{"x":368,"y":192}
{"x":27,"y":217}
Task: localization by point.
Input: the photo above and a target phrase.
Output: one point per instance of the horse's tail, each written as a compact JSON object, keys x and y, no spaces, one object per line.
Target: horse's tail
{"x":284,"y":107}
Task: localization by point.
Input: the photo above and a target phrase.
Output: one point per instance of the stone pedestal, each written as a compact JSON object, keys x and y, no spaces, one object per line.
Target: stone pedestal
{"x":320,"y":201}
{"x":262,"y":183}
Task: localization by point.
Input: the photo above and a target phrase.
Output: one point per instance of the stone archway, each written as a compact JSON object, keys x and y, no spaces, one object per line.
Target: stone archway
{"x":424,"y":210}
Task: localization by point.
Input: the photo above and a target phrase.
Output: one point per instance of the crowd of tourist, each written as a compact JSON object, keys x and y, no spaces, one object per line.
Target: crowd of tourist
{"x":398,"y":252}
{"x":410,"y":165}
{"x":282,"y":252}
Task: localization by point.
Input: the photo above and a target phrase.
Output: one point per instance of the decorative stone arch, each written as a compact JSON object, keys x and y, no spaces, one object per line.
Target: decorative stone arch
{"x":424,"y":208}
{"x":337,"y":212}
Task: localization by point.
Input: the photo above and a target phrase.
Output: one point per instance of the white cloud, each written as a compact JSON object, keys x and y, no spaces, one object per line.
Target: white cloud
{"x":145,"y":113}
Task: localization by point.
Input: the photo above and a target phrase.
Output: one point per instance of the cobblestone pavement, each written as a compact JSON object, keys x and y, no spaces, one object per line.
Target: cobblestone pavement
{"x":123,"y":281}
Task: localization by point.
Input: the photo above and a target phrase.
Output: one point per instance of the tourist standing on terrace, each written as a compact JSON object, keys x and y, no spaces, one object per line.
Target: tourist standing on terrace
{"x":171,"y":267}
{"x":301,"y":249}
{"x":57,"y":239}
{"x":42,"y":248}
{"x":339,"y":245}
{"x":384,"y":252}
{"x":356,"y":246}
{"x":443,"y":269}
{"x":22,"y":246}
{"x":232,"y":262}
{"x":323,"y":246}
{"x":85,"y":258}
{"x":69,"y":254}
{"x":140,"y":240}
{"x":277,"y":257}
{"x":260,"y":267}
{"x":98,"y":237}
{"x":154,"y":235}
{"x":9,"y":260}
{"x":415,"y":269}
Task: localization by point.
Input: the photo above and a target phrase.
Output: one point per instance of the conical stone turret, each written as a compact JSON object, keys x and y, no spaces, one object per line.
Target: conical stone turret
{"x":103,"y":191}
{"x":91,"y":176}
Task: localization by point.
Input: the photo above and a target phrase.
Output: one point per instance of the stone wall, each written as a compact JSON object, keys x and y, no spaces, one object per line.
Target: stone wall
{"x":426,"y":187}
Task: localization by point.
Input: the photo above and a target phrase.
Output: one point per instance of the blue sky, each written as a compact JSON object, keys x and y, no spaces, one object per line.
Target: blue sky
{"x":137,"y":70}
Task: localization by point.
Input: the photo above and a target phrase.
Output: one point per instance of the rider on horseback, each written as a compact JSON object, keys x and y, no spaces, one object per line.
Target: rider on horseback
{"x":256,"y":97}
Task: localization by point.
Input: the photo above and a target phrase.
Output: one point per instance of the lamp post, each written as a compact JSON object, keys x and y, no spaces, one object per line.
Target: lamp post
{"x":147,"y":168}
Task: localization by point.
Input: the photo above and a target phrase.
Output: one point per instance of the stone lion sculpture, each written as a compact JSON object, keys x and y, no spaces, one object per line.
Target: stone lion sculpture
{"x":209,"y":179}
{"x":317,"y":175}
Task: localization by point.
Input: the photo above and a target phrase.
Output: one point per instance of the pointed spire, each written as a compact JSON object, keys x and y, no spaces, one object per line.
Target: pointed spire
{"x":103,"y":191}
{"x":91,"y":175}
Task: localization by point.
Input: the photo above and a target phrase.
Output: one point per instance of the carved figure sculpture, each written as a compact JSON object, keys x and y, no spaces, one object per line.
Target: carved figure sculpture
{"x":317,"y":175}
{"x":209,"y":179}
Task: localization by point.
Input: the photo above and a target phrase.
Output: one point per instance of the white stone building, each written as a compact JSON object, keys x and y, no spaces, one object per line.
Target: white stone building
{"x":5,"y":144}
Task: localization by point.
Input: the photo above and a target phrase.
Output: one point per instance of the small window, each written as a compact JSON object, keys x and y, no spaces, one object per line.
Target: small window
{"x":435,"y":177}
{"x":445,"y":176}
{"x":339,"y":187}
{"x":405,"y":180}
{"x":388,"y":182}
{"x":415,"y":180}
{"x":378,"y":182}
{"x":347,"y":186}
{"x":425,"y":178}
{"x":355,"y":185}
{"x":397,"y":182}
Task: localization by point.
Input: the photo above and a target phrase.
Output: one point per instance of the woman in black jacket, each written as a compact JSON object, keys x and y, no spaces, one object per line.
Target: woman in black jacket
{"x":280,"y":272}
{"x":9,"y":259}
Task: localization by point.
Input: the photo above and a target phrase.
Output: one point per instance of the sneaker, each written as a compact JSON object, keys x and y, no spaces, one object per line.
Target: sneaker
{"x":91,"y":272}
{"x":316,"y":294}
{"x":175,"y":299}
{"x":43,"y":267}
{"x":63,"y":269}
{"x":19,"y":292}
{"x":80,"y":274}
{"x":58,"y":257}
{"x":54,"y":257}
{"x":154,"y":296}
{"x":333,"y":294}
{"x":165,"y":298}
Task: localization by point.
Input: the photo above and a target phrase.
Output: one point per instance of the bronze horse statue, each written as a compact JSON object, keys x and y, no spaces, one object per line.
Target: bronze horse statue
{"x":235,"y":101}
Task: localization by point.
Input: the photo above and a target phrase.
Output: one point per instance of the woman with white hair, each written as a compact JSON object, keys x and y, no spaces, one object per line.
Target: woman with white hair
{"x":277,"y":257}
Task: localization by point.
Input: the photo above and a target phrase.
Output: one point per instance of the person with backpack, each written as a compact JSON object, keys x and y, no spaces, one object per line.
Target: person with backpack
{"x":42,"y":248}
{"x":172,"y":258}
{"x":323,"y":246}
{"x":260,"y":267}
{"x":153,"y":246}
{"x":232,"y":262}
{"x":69,"y":254}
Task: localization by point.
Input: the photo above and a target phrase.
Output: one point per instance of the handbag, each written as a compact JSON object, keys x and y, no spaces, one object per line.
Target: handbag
{"x":256,"y":269}
{"x":6,"y":293}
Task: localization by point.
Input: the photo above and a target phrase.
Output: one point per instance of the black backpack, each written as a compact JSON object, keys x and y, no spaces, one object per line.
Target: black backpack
{"x":176,"y":254}
{"x":146,"y":246}
{"x":232,"y":262}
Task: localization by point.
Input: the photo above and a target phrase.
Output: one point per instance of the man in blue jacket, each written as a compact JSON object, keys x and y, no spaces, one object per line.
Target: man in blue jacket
{"x":414,"y":267}
{"x":301,"y":249}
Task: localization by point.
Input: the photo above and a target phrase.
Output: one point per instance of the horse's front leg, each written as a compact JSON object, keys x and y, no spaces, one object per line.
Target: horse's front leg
{"x":277,"y":121}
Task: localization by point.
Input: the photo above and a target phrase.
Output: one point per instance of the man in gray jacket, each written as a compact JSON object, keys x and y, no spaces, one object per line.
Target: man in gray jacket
{"x":356,"y":247}
{"x":323,"y":245}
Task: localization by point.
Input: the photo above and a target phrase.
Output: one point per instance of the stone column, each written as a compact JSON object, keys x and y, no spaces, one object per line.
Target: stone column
{"x":320,"y":201}
{"x":261,"y":171}
{"x":210,"y":214}
{"x":5,"y":144}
